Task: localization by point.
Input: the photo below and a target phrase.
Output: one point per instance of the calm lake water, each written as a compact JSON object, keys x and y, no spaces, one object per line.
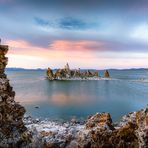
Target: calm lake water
{"x":63,"y":100}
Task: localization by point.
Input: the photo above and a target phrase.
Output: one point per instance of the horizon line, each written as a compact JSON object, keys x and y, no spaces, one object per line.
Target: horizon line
{"x":77,"y":68}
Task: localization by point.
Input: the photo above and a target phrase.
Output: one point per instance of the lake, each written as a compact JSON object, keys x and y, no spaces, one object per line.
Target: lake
{"x":127,"y":91}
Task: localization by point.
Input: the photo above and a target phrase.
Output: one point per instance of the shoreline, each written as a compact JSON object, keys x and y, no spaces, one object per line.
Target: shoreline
{"x":82,"y":79}
{"x":75,"y":134}
{"x":99,"y":79}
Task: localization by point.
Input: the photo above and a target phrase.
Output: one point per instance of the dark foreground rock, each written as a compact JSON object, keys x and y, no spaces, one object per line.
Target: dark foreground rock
{"x":13,"y":133}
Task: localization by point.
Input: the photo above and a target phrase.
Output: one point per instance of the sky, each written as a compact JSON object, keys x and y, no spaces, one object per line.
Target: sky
{"x":97,"y":34}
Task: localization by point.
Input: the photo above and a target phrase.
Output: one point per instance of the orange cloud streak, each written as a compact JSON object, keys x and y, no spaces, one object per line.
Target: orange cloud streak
{"x":77,"y":53}
{"x":76,"y":45}
{"x":58,"y":49}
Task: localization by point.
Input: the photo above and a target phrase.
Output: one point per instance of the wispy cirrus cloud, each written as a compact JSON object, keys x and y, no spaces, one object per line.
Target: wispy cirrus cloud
{"x":76,"y":24}
{"x":68,"y":23}
{"x":41,"y":22}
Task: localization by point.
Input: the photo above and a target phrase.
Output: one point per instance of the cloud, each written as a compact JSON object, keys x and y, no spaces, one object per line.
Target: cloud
{"x":41,"y":22}
{"x":140,"y":33}
{"x":5,"y":1}
{"x":78,"y":23}
{"x":77,"y":4}
{"x":73,"y":23}
{"x":100,"y":45}
{"x":24,"y":54}
{"x":68,"y":23}
{"x":25,"y":47}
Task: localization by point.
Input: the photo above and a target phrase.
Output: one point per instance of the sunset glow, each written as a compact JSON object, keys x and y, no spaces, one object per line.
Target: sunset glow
{"x":44,"y":38}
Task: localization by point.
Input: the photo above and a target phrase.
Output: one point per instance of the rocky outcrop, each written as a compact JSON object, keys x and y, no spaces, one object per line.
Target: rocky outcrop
{"x":98,"y":132}
{"x":131,"y":132}
{"x":99,"y":119}
{"x":140,"y":119}
{"x":67,"y":68}
{"x":50,"y":74}
{"x":12,"y":130}
{"x":142,"y":123}
{"x":106,"y":74}
{"x":66,"y":73}
{"x":107,"y":135}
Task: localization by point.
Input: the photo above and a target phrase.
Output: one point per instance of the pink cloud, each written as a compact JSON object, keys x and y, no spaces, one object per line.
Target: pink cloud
{"x":58,"y":47}
{"x":77,"y":45}
{"x":25,"y":48}
{"x":57,"y":51}
{"x":85,"y":54}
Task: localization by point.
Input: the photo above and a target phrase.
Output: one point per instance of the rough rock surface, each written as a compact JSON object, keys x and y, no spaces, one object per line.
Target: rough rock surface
{"x":140,"y":119}
{"x":66,"y":73}
{"x":50,"y":74}
{"x":12,"y":129}
{"x":106,"y":74}
{"x":99,"y":119}
{"x":97,"y":132}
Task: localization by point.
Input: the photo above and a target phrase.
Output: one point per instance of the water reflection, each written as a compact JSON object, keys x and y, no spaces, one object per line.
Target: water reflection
{"x":63,"y":99}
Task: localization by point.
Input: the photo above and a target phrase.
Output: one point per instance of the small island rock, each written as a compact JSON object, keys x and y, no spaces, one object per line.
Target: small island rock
{"x":106,"y":74}
{"x":50,"y":74}
{"x":66,"y":73}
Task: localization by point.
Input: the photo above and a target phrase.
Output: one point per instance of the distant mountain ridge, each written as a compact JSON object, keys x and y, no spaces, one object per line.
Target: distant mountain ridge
{"x":43,"y":69}
{"x":22,"y":69}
